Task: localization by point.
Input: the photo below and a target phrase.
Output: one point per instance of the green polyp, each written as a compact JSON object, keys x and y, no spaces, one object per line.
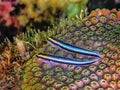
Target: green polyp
{"x":77,"y":76}
{"x":71,"y":29}
{"x":34,"y":69}
{"x":50,"y":88}
{"x":99,"y":48}
{"x":78,"y":33}
{"x":106,"y":34}
{"x":78,"y":80}
{"x":90,"y":33}
{"x":99,"y":25}
{"x":105,"y":59}
{"x":61,"y":38}
{"x":94,"y":37}
{"x":111,"y":22}
{"x":58,"y":69}
{"x":84,"y":37}
{"x":59,"y":83}
{"x":88,"y":23}
{"x":84,"y":29}
{"x":105,"y":50}
{"x":71,"y":67}
{"x":38,"y":74}
{"x":93,"y":28}
{"x":85,"y":72}
{"x":92,"y":67}
{"x":79,"y":23}
{"x":62,"y":78}
{"x":102,"y":29}
{"x":112,"y":34}
{"x":52,"y":48}
{"x":50,"y":81}
{"x":32,"y":65}
{"x":88,"y":88}
{"x":68,"y":34}
{"x":49,"y":72}
{"x":102,"y":66}
{"x":94,"y":82}
{"x":118,"y":46}
{"x":75,"y":38}
{"x":33,"y":81}
{"x":98,"y":32}
{"x":38,"y":86}
{"x":114,"y":54}
{"x":103,"y":19}
{"x":112,"y":15}
{"x":45,"y":78}
{"x":70,"y":74}
{"x":118,"y":69}
{"x":101,"y":53}
{"x":99,"y":71}
{"x":100,"y":89}
{"x":107,"y":75}
{"x":118,"y":61}
{"x":94,"y":19}
{"x":89,"y":48}
{"x":27,"y":76}
{"x":69,"y":80}
{"x":118,"y":27}
{"x":71,"y":85}
{"x":64,"y":88}
{"x":92,"y":75}
{"x":110,"y":52}
{"x":85,"y":79}
{"x":117,"y":30}
{"x":69,"y":41}
{"x":108,"y":27}
{"x":78,"y":69}
{"x":60,"y":73}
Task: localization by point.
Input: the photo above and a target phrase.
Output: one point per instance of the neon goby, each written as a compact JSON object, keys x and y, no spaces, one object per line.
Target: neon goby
{"x":71,"y":48}
{"x":64,"y":60}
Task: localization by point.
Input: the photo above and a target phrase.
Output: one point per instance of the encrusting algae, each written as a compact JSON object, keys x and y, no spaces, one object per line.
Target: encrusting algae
{"x":100,"y":31}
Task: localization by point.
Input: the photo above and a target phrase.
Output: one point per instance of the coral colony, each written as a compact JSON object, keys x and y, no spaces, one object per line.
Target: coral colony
{"x":62,"y":48}
{"x":53,"y":66}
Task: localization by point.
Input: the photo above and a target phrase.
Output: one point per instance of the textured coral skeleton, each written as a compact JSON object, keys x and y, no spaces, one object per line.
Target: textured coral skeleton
{"x":99,"y":31}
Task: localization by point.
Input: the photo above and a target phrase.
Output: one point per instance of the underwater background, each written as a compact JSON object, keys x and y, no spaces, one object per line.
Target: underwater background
{"x":26,"y":57}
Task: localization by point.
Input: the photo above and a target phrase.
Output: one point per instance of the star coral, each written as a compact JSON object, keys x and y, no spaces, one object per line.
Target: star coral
{"x":99,"y":31}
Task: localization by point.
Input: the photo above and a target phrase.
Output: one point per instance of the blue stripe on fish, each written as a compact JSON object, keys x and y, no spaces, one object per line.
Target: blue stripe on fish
{"x":71,"y":48}
{"x":63,"y":60}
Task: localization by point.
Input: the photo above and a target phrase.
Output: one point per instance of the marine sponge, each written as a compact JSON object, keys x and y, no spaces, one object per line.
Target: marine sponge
{"x":99,"y":31}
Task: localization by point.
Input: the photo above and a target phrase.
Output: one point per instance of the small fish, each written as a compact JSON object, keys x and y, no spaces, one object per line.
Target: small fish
{"x":57,"y":43}
{"x":64,"y":60}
